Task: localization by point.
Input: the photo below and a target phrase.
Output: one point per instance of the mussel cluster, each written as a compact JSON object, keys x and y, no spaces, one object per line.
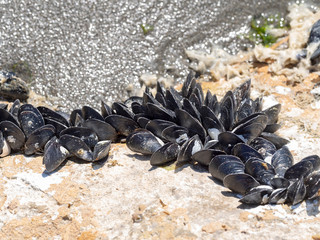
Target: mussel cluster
{"x":233,"y":138}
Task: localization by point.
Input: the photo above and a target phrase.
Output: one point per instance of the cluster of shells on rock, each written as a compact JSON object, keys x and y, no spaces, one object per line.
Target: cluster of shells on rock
{"x":233,"y":138}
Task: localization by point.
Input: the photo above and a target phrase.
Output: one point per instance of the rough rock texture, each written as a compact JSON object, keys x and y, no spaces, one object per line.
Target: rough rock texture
{"x":126,"y":198}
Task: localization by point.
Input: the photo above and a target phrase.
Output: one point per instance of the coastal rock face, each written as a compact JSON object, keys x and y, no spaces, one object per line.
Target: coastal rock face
{"x":126,"y":198}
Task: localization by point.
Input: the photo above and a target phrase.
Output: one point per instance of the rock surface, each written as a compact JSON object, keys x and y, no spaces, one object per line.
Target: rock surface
{"x":126,"y":198}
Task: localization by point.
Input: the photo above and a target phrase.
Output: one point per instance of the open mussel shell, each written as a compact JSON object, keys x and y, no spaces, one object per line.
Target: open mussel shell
{"x":54,"y":154}
{"x":167,"y":153}
{"x":296,"y":191}
{"x":312,"y":183}
{"x":52,"y":115}
{"x":30,"y":121}
{"x":279,"y":142}
{"x":278,"y":196}
{"x":245,"y":152}
{"x":143,"y":141}
{"x":88,"y":112}
{"x":257,"y":195}
{"x":192,"y":124}
{"x":206,"y":155}
{"x":299,"y":170}
{"x":175,"y":133}
{"x":189,"y":148}
{"x":13,"y":135}
{"x":5,"y":148}
{"x":123,"y":125}
{"x":281,"y":160}
{"x":240,"y":182}
{"x":76,"y":147}
{"x":219,"y":160}
{"x":101,"y":150}
{"x":38,"y":139}
{"x":103,"y":130}
{"x":88,"y":136}
{"x":263,"y":146}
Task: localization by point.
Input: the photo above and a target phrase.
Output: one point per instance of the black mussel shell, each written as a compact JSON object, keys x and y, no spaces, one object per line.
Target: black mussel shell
{"x":133,"y":99}
{"x":167,"y":153}
{"x":76,"y":118}
{"x":191,"y":108}
{"x":281,"y":160}
{"x":272,"y":128}
{"x":143,"y":141}
{"x":228,"y":140}
{"x":157,"y":126}
{"x":15,"y":108}
{"x":220,"y":159}
{"x":87,"y":135}
{"x":159,"y":112}
{"x":148,"y":98}
{"x":227,"y":110}
{"x":245,"y":152}
{"x":255,"y":165}
{"x":263,"y":146}
{"x":279,"y":182}
{"x":138,"y":108}
{"x":251,"y":127}
{"x":242,"y":93}
{"x":278,"y":196}
{"x":76,"y":147}
{"x":105,"y":109}
{"x":227,"y":168}
{"x":38,"y":139}
{"x":123,"y":125}
{"x":189,"y":148}
{"x":52,"y":115}
{"x":57,"y":125}
{"x":279,"y":142}
{"x":5,"y":149}
{"x":101,"y":150}
{"x":175,"y":133}
{"x":54,"y":154}
{"x":315,"y":160}
{"x":272,"y":113}
{"x":4,"y":106}
{"x":142,"y":121}
{"x":161,"y":99}
{"x":244,"y":111}
{"x":214,"y":105}
{"x":7,"y":116}
{"x":312,"y":183}
{"x":206,"y":155}
{"x":195,"y":100}
{"x":30,"y":121}
{"x":299,"y":170}
{"x":257,"y":195}
{"x":296,"y":192}
{"x":103,"y":130}
{"x":160,"y":89}
{"x":188,"y":85}
{"x":122,"y":109}
{"x":13,"y":135}
{"x":89,"y":112}
{"x":192,"y":124}
{"x":240,"y":182}
{"x":173,"y":99}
